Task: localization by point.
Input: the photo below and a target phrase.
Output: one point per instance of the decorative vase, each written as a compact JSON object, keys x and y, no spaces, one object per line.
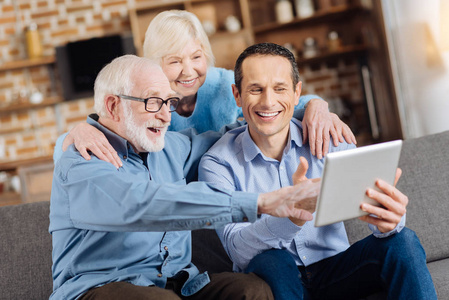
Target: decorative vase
{"x":304,"y":8}
{"x":284,"y":11}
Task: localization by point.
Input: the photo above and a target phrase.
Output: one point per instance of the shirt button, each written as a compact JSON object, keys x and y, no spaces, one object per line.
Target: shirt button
{"x":124,"y":156}
{"x":208,"y":223}
{"x":245,"y":219}
{"x":281,"y":167}
{"x":304,"y":257}
{"x":165,"y":248}
{"x":159,"y":275}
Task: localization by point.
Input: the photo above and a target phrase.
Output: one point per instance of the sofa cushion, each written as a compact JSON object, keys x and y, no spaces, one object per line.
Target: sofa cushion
{"x":440,"y":276}
{"x":425,"y":180}
{"x":25,"y":264}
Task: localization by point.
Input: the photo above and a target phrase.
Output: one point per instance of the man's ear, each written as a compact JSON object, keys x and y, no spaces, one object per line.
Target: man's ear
{"x":235,"y":92}
{"x":112,"y":104}
{"x":298,"y":92}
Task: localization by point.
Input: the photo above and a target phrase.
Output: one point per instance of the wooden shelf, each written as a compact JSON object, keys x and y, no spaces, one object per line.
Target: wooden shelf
{"x":220,"y":34}
{"x":157,"y":5}
{"x":24,"y":106}
{"x":332,"y":14}
{"x":27,"y":63}
{"x":13,"y":165}
{"x":10,"y":198}
{"x":343,"y":52}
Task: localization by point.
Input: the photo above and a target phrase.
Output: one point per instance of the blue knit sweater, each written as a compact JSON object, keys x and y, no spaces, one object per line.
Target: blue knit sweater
{"x":215,"y":104}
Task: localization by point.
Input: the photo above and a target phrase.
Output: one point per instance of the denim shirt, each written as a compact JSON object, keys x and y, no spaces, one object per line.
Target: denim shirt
{"x":235,"y":162}
{"x":132,"y":224}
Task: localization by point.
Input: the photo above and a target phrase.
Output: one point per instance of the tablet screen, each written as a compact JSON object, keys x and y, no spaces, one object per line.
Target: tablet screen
{"x":347,"y":175}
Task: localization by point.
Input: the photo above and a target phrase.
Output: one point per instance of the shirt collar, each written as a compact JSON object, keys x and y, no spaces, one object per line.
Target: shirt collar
{"x":120,"y":144}
{"x":251,"y":150}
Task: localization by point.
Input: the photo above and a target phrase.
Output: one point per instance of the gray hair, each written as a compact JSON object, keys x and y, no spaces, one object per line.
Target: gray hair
{"x":170,"y":31}
{"x":116,"y":78}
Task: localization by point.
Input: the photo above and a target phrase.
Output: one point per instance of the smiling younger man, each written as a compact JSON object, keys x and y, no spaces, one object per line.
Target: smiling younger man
{"x":298,"y":260}
{"x":125,"y":233}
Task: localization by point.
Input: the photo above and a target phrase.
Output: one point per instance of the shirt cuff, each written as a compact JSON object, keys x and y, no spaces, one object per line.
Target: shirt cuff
{"x":282,"y":228}
{"x":244,"y":207}
{"x":381,"y":235}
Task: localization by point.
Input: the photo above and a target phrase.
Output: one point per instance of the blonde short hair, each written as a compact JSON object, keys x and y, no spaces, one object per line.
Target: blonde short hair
{"x":117,"y":78}
{"x":170,"y":31}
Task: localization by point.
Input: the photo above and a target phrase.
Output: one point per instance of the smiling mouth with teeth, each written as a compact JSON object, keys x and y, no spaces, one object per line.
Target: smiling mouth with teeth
{"x":272,"y":114}
{"x":155,"y":130}
{"x":187,"y":81}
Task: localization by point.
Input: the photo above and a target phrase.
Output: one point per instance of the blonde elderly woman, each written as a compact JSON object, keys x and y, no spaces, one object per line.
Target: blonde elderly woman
{"x":178,"y":42}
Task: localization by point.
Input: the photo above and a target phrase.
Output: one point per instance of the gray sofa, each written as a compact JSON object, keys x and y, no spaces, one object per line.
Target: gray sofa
{"x":25,"y":244}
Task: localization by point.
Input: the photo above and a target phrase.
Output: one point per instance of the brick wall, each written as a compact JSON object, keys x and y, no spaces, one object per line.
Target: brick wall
{"x":339,"y":83}
{"x":33,"y":132}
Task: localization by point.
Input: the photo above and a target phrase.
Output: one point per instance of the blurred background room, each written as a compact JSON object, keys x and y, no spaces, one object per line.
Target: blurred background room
{"x":382,"y":65}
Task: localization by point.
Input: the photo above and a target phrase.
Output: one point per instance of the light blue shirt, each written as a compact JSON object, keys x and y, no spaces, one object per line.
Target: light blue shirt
{"x":235,"y":162}
{"x":132,"y":224}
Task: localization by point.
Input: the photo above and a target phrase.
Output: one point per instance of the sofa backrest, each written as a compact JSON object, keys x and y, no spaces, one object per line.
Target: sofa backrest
{"x":425,"y":180}
{"x":25,"y":252}
{"x":25,"y":244}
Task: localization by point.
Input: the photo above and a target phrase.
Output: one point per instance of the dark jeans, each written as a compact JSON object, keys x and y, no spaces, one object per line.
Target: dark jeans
{"x":396,"y":265}
{"x":223,"y":286}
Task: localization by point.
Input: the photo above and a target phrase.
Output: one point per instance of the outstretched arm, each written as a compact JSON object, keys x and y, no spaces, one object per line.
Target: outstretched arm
{"x":295,"y":201}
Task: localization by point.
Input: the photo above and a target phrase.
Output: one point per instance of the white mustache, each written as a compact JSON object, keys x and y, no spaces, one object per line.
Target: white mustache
{"x":157,"y":124}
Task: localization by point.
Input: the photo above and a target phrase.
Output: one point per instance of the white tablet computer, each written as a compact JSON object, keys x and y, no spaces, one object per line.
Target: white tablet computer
{"x":347,"y":175}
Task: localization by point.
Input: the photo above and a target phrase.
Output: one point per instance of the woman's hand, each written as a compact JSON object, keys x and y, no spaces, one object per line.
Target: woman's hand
{"x":319,"y":125}
{"x":86,"y":138}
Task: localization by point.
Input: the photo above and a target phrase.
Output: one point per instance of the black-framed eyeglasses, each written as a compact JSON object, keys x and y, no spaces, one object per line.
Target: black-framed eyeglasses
{"x":154,"y":104}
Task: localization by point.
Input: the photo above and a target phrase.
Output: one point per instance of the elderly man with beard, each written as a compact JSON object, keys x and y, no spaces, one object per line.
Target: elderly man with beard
{"x":125,"y":233}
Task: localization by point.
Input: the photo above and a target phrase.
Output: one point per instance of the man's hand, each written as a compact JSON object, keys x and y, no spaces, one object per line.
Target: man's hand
{"x":393,"y":202}
{"x":319,"y":125}
{"x":88,"y":138}
{"x":297,"y":202}
{"x":306,"y":204}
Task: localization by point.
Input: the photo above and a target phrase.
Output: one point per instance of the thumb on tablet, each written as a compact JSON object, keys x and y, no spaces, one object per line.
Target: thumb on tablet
{"x":398,"y":175}
{"x":301,"y":171}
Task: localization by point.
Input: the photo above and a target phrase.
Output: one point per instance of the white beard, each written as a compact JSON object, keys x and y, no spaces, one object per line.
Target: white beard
{"x":137,"y":135}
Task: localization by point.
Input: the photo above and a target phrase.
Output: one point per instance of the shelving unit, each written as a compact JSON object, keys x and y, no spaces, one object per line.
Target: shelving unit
{"x":27,"y":63}
{"x":18,"y":168}
{"x":354,"y":50}
{"x":24,"y":106}
{"x":35,"y":175}
{"x":10,"y":198}
{"x":320,"y":16}
{"x":360,"y":34}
